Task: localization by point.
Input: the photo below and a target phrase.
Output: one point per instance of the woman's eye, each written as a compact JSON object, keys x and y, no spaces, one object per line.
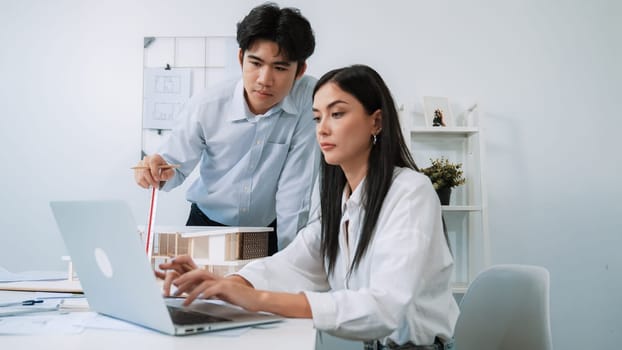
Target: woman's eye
{"x":337,"y":114}
{"x":316,"y":118}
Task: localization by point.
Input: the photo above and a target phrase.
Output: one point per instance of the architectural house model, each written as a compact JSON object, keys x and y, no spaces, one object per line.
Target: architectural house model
{"x":218,"y":249}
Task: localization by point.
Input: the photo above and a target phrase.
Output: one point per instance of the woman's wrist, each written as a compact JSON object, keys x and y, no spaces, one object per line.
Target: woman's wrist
{"x":239,"y":279}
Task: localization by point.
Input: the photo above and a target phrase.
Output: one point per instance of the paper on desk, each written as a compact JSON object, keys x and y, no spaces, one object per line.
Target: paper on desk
{"x":7,"y":276}
{"x":59,"y":323}
{"x":42,"y":324}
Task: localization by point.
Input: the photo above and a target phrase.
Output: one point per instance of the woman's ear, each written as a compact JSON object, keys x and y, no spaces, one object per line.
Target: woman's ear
{"x":377,"y":118}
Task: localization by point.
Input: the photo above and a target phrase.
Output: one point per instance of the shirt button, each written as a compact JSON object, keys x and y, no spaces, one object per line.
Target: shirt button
{"x":258,"y":142}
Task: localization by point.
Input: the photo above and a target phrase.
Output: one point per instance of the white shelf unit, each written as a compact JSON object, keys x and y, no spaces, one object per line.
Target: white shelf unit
{"x":467,"y":215}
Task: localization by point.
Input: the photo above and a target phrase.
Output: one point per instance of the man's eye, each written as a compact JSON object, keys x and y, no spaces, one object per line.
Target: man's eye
{"x":281,"y":69}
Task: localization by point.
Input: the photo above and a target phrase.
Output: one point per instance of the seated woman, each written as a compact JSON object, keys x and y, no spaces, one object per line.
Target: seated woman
{"x":373,"y":263}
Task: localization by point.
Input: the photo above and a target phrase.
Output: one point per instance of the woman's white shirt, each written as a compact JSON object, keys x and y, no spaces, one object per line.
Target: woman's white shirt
{"x":401,"y":288}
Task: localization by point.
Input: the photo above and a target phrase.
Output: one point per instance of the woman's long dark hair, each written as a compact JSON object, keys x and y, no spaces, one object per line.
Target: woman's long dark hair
{"x":389,"y":151}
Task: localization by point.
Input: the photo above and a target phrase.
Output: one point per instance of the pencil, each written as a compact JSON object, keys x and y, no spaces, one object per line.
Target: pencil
{"x":164,"y":166}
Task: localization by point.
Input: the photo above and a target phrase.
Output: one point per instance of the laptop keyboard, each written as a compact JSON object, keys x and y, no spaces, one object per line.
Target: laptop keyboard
{"x":182,"y":316}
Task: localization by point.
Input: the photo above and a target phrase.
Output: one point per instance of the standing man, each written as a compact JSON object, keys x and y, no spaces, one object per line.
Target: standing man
{"x":254,"y":139}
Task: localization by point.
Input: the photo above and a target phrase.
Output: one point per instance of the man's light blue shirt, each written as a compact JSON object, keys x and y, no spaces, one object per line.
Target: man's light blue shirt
{"x":253,"y":168}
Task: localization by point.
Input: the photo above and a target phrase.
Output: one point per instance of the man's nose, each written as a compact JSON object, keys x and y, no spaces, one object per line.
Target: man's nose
{"x":265,"y":76}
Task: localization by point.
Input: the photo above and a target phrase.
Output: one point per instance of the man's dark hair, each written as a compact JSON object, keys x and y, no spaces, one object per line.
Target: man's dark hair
{"x":286,"y":27}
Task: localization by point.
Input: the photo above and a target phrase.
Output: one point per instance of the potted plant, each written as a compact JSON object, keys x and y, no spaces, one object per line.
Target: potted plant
{"x":444,"y":175}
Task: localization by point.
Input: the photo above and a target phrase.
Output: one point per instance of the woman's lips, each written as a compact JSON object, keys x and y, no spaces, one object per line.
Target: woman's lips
{"x":325,"y":146}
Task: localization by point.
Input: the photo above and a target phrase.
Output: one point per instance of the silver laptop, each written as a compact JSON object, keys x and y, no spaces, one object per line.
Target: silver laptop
{"x":118,"y":281}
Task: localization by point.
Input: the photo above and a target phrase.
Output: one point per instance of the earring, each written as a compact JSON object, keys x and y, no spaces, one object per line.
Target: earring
{"x":374,"y":139}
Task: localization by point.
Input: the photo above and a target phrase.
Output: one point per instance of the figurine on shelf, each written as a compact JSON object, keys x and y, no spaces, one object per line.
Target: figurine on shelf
{"x":438,"y":118}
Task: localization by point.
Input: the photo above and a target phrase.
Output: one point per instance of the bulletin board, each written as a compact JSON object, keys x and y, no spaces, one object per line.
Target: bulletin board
{"x":174,"y":69}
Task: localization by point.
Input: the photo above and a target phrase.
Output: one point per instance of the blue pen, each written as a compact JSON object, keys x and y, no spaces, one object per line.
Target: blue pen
{"x":22,"y":303}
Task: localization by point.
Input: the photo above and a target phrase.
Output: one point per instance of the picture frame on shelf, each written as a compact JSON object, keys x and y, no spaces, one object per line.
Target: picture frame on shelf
{"x":437,"y":111}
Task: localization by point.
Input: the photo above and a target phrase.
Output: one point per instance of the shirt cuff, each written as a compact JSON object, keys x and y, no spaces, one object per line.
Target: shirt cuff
{"x":323,"y":310}
{"x":253,"y":276}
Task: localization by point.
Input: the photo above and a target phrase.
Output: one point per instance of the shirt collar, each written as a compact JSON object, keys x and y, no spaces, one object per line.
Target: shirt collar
{"x":239,"y":108}
{"x":355,"y":198}
{"x":288,"y":105}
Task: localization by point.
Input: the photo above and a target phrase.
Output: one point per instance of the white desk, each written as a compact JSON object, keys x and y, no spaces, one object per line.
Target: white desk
{"x":296,"y":334}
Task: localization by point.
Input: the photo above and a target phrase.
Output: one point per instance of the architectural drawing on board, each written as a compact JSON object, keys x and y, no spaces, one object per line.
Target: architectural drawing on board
{"x":165,"y":92}
{"x":175,"y":68}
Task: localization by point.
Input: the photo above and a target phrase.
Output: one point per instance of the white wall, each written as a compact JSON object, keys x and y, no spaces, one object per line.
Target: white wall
{"x":547,"y":76}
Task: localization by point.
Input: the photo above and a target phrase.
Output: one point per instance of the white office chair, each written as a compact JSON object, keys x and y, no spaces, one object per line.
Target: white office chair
{"x":506,"y":307}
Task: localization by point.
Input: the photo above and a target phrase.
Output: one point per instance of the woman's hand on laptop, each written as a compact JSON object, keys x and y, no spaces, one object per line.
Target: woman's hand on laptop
{"x":238,"y":291}
{"x":183,"y":273}
{"x":183,"y":264}
{"x":173,"y":269}
{"x":203,"y":284}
